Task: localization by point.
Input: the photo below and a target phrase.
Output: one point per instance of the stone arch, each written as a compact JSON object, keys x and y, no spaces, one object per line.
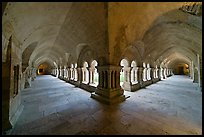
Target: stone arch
{"x":180,"y":32}
{"x":131,"y":53}
{"x":86,"y":54}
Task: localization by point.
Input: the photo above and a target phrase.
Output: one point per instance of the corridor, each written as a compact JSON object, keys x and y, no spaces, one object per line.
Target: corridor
{"x":52,"y":106}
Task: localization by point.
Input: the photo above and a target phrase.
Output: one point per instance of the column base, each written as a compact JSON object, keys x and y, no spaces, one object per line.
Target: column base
{"x":155,"y":80}
{"x":126,"y":86}
{"x":146,"y":83}
{"x":109,"y":96}
{"x":87,"y":87}
{"x":27,"y":84}
{"x":135,"y":87}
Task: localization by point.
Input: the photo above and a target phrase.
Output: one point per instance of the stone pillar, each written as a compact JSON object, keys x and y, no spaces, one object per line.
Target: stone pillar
{"x":149,"y":76}
{"x":167,"y":72}
{"x":89,"y":78}
{"x":199,"y":77}
{"x":79,"y":77}
{"x":68,"y":73}
{"x":6,"y":89}
{"x":140,"y":76}
{"x":172,"y":72}
{"x":155,"y":78}
{"x":127,"y":78}
{"x":75,"y":74}
{"x":160,"y":73}
{"x":164,"y":73}
{"x":62,"y":73}
{"x":91,"y":75}
{"x":195,"y":75}
{"x":192,"y":70}
{"x":152,"y":73}
{"x":108,"y":89}
{"x":27,"y":78}
{"x":33,"y":74}
{"x":59,"y":72}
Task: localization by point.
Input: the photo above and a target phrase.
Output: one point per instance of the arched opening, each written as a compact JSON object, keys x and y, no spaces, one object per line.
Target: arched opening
{"x":123,"y":74}
{"x":94,"y":73}
{"x":44,"y":69}
{"x":181,"y":69}
{"x":134,"y":73}
{"x":40,"y":70}
{"x":85,"y":73}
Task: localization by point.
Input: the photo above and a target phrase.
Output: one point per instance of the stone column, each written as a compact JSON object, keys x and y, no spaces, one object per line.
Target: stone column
{"x":160,"y":73}
{"x":127,"y":78}
{"x":68,"y":73}
{"x":63,"y":73}
{"x":149,"y":76}
{"x":79,"y":77}
{"x":91,"y":75}
{"x":152,"y":73}
{"x":199,"y":80}
{"x":27,"y":78}
{"x":140,"y":76}
{"x":164,"y":73}
{"x":59,"y":72}
{"x":192,"y":70}
{"x":156,"y":73}
{"x":6,"y":89}
{"x":33,"y":74}
{"x":89,"y":78}
{"x":108,"y":89}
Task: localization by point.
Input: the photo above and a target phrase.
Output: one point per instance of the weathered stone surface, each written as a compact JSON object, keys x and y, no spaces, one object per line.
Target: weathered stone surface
{"x":171,"y":106}
{"x":84,"y":44}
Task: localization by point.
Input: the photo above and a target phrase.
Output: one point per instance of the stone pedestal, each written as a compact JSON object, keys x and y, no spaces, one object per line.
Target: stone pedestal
{"x":108,"y":90}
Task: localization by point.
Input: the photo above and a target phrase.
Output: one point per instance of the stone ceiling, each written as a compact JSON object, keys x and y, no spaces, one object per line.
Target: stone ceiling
{"x":60,"y":28}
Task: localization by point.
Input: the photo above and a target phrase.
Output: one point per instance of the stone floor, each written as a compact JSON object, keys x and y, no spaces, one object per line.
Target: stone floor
{"x":52,"y":106}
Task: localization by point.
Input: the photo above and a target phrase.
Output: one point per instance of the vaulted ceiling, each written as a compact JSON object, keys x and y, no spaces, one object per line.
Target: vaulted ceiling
{"x":55,"y":31}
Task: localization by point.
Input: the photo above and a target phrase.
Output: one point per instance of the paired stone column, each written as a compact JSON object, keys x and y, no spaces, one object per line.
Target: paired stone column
{"x":127,"y":78}
{"x":79,"y":77}
{"x":140,"y":76}
{"x":164,"y":73}
{"x":68,"y":73}
{"x":199,"y":76}
{"x":155,"y":77}
{"x":91,"y":72}
{"x":160,"y":73}
{"x":151,"y":73}
{"x":27,"y":78}
{"x":108,"y":89}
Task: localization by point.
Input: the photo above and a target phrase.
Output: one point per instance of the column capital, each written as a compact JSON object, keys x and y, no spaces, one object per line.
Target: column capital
{"x":109,"y":68}
{"x":127,"y":68}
